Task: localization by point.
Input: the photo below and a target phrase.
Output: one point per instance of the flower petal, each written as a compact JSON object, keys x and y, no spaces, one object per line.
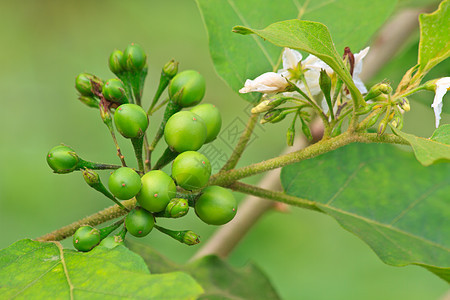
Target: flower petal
{"x":291,"y":58}
{"x":442,"y":85}
{"x":269,"y":82}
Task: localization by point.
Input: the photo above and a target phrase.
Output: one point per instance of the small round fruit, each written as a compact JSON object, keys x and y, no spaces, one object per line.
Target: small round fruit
{"x":139,"y":222}
{"x":124,"y":183}
{"x":86,"y":238}
{"x":212,"y":118}
{"x":83,"y":83}
{"x":177,"y":208}
{"x":157,"y":190}
{"x":114,"y":90}
{"x":185,"y":131}
{"x":131,"y":120}
{"x":191,"y":170}
{"x":216,"y":206}
{"x":187,"y":88}
{"x":134,"y":58}
{"x":115,"y":62}
{"x":62,"y":159}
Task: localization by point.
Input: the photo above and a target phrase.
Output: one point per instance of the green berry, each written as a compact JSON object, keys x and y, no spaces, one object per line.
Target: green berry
{"x":187,"y":88}
{"x":131,"y":120}
{"x":83,"y":83}
{"x":139,"y":222}
{"x":62,"y":159}
{"x":191,"y":170}
{"x":124,"y":183}
{"x":185,"y":131}
{"x":177,"y":208}
{"x":115,"y":62}
{"x":212,"y":118}
{"x":216,"y":206}
{"x":86,"y":238}
{"x":114,"y":90}
{"x":134,"y":58}
{"x":157,"y":190}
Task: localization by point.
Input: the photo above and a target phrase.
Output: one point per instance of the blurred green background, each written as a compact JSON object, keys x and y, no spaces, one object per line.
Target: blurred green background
{"x":45,"y":44}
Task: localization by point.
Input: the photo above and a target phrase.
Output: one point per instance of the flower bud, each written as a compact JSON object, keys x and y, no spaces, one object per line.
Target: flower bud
{"x":89,"y":101}
{"x":115,"y":62}
{"x":269,"y":104}
{"x":269,"y":82}
{"x":170,"y":69}
{"x":190,"y":238}
{"x":271,"y":115}
{"x":177,"y":208}
{"x":134,"y":58}
{"x":306,"y":130}
{"x":83,"y":83}
{"x":378,"y":89}
{"x":114,"y":90}
{"x":105,"y":114}
{"x":62,"y":159}
{"x":91,"y":177}
{"x":365,"y":109}
{"x":325,"y":83}
{"x":290,"y":134}
{"x":404,"y":104}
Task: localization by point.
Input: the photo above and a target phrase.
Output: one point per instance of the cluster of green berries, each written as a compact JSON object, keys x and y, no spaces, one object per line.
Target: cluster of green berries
{"x":157,"y":193}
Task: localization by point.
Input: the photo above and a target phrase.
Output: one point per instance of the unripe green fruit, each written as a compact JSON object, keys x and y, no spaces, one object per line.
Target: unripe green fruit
{"x":86,"y":238}
{"x":139,"y":222}
{"x":83,"y":83}
{"x":124,"y":183}
{"x":212,"y":118}
{"x":187,"y":88}
{"x":131,"y":120}
{"x":114,"y":90}
{"x":62,"y":159}
{"x":134,"y":58}
{"x":115,"y":62}
{"x":216,"y":206}
{"x":191,"y":170}
{"x":185,"y":131}
{"x":157,"y":190}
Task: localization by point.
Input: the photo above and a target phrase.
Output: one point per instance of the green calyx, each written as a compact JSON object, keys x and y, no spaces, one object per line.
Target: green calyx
{"x":170,"y":69}
{"x":191,"y":170}
{"x":210,"y":114}
{"x":86,"y":238}
{"x":62,"y":159}
{"x":134,"y":58}
{"x":187,"y":88}
{"x":176,"y":208}
{"x":187,"y":237}
{"x":115,"y":62}
{"x":83,"y":83}
{"x":139,"y":222}
{"x":113,"y":90}
{"x":131,"y":120}
{"x":89,"y":101}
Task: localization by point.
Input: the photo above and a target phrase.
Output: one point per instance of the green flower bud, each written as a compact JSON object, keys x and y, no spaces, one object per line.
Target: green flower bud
{"x":404,"y":104}
{"x":271,"y":115}
{"x":89,"y":101}
{"x":105,"y":114}
{"x":62,"y":159}
{"x":290,"y":134}
{"x":170,"y":69}
{"x":269,"y":104}
{"x":306,"y":130}
{"x":115,"y":62}
{"x":325,"y":83}
{"x":378,"y":89}
{"x":83,"y":83}
{"x":91,"y":177}
{"x":177,"y":208}
{"x":191,"y":238}
{"x":134,"y":58}
{"x":365,"y":109}
{"x":114,"y":90}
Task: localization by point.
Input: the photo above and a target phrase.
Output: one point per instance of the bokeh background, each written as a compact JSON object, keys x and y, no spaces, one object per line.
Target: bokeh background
{"x":45,"y":44}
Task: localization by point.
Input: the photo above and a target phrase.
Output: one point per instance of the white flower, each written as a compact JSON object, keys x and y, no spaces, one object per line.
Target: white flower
{"x":269,"y":82}
{"x":442,"y":86}
{"x":358,"y":68}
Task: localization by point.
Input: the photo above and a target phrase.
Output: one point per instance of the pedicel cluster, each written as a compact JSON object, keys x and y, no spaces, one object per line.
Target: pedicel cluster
{"x":186,"y":126}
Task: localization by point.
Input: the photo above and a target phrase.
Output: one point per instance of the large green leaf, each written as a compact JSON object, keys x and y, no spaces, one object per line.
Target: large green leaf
{"x":429,"y":151}
{"x":384,"y":196}
{"x":236,"y":58}
{"x":434,"y":44}
{"x":218,"y":279}
{"x":35,"y":270}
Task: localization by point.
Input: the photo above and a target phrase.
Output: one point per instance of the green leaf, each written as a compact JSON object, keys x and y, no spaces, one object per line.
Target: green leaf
{"x":382,"y":195}
{"x":434,"y":44}
{"x":429,"y":151}
{"x":218,"y":279}
{"x":30,"y":270}
{"x":312,"y":37}
{"x":351,"y":23}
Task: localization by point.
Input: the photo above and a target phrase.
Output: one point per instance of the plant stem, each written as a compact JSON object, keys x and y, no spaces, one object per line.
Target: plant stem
{"x":93,"y":220}
{"x":95,"y":166}
{"x":137,"y":145}
{"x":164,"y":102}
{"x":240,"y":147}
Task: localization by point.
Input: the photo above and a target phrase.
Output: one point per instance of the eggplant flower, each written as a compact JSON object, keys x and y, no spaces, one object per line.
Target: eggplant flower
{"x":266,"y":83}
{"x":358,"y":68}
{"x":442,"y":86}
